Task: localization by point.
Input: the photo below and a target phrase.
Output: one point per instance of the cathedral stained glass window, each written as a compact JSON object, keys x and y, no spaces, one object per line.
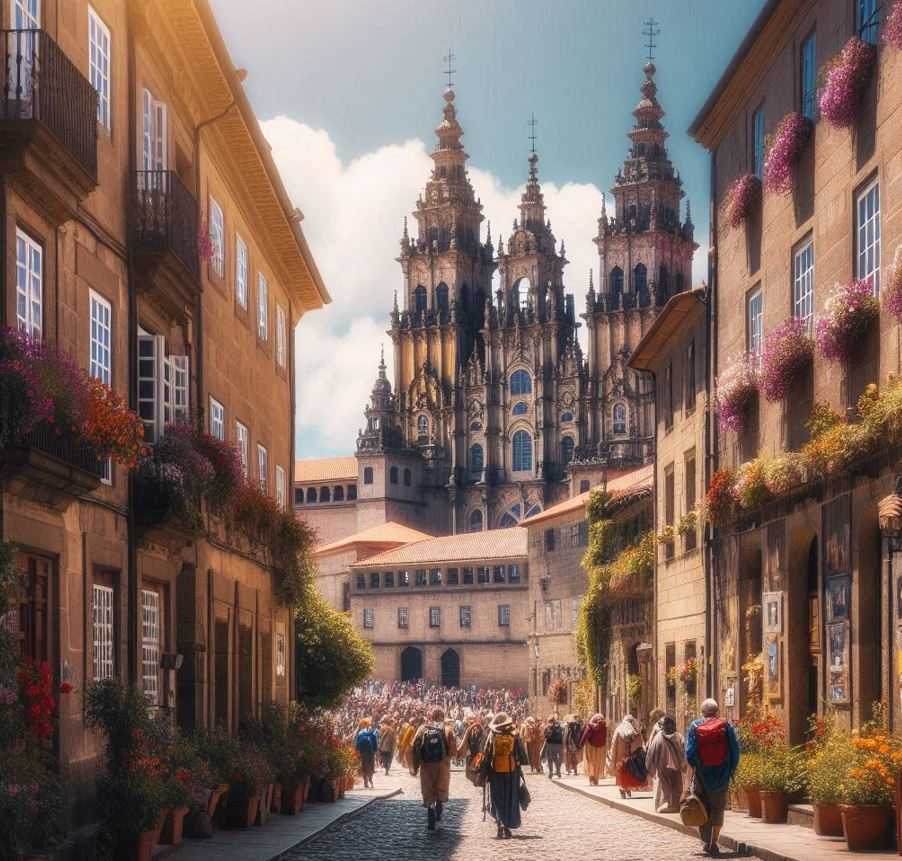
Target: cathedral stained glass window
{"x":521,"y":384}
{"x":522,"y":452}
{"x":519,"y":408}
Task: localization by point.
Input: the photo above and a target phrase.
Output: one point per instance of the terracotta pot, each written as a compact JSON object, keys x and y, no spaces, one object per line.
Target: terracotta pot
{"x":328,"y":791}
{"x":172,"y":827}
{"x":146,"y":842}
{"x":753,"y":799}
{"x":867,"y":826}
{"x":293,"y":798}
{"x":215,"y":795}
{"x":241,"y":810}
{"x":827,"y":820}
{"x":263,"y":807}
{"x":276,"y":804}
{"x":737,"y":800}
{"x":774,"y":806}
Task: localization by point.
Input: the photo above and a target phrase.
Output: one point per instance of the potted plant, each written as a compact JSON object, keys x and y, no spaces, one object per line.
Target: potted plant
{"x":787,"y":351}
{"x":748,"y":780}
{"x":736,"y":388}
{"x":251,"y":774}
{"x":217,"y":751}
{"x":786,"y":147}
{"x":750,"y":487}
{"x":743,"y":198}
{"x":689,"y":675}
{"x":828,"y":764}
{"x":845,"y":79}
{"x":849,"y":312}
{"x":782,"y":775}
{"x":720,"y":501}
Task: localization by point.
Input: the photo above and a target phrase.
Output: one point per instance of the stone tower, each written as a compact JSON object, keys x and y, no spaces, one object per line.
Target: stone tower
{"x":645,"y":256}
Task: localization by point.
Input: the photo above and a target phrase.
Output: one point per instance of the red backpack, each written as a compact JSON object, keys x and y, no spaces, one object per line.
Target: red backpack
{"x":711,"y":741}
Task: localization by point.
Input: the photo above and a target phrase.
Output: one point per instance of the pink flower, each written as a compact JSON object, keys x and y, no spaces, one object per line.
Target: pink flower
{"x":891,"y":294}
{"x":743,"y":195}
{"x":848,"y":313}
{"x":788,"y":144}
{"x":736,"y":386}
{"x":787,"y":350}
{"x":845,"y":80}
{"x":892,"y":29}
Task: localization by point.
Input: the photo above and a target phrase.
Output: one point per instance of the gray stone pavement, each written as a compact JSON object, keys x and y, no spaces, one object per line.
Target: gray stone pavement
{"x":559,"y":826}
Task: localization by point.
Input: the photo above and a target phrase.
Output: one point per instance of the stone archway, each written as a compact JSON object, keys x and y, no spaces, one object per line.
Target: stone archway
{"x":450,"y":669}
{"x":411,"y":664}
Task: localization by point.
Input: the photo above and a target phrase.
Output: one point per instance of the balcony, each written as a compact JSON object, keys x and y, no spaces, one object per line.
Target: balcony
{"x":48,"y":123}
{"x":49,"y":469}
{"x":164,"y":228}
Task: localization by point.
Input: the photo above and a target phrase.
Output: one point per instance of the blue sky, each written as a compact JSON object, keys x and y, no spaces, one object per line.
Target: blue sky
{"x":349,"y":94}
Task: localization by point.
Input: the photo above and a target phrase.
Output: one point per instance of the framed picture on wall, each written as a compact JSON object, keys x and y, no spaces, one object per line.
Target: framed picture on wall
{"x":838,"y":597}
{"x":772,"y":666}
{"x":838,"y":662}
{"x":773,"y":612}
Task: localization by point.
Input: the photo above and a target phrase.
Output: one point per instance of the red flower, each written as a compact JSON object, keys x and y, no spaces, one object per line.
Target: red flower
{"x":66,"y":688}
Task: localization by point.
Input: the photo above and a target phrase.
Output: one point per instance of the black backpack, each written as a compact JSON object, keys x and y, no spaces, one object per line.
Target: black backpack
{"x":556,"y":734}
{"x":433,"y":746}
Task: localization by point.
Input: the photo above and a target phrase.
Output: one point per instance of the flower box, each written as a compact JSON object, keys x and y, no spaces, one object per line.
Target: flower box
{"x":787,"y":352}
{"x":849,"y":312}
{"x":845,"y":79}
{"x":736,"y":388}
{"x":786,"y":148}
{"x":743,"y":198}
{"x":172,"y":827}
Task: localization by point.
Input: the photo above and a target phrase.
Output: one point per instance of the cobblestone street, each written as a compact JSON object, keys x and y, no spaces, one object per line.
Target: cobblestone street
{"x":559,"y":826}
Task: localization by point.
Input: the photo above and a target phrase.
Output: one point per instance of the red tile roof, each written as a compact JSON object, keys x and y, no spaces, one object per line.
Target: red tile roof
{"x":469,"y":546}
{"x":326,"y":469}
{"x":390,"y":534}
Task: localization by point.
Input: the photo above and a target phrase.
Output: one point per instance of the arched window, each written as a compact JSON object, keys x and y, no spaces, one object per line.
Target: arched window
{"x":522,"y":452}
{"x":566,"y":450}
{"x":311,"y":494}
{"x":521,"y":384}
{"x":679,"y":282}
{"x":615,"y":287}
{"x":619,"y":418}
{"x":520,"y":294}
{"x":441,"y":298}
{"x":476,"y":520}
{"x":475,"y":427}
{"x":367,"y":475}
{"x":299,"y":496}
{"x":520,"y":408}
{"x":476,"y":460}
{"x":422,"y":428}
{"x":567,"y":416}
{"x":533,"y":509}
{"x":640,"y":280}
{"x":324,"y":494}
{"x":419,"y":300}
{"x":393,"y":475}
{"x":338,"y":494}
{"x":352,"y":491}
{"x":407,"y":478}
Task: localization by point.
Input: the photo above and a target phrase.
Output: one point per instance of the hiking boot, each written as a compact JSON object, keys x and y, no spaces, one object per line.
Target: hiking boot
{"x":500,"y":834}
{"x":438,"y":811}
{"x":507,"y":833}
{"x":430,"y":818}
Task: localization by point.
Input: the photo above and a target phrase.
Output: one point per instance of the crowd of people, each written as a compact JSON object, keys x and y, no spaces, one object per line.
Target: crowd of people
{"x":491,"y":735}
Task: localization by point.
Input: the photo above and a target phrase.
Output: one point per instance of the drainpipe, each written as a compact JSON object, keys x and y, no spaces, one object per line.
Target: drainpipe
{"x":289,"y":478}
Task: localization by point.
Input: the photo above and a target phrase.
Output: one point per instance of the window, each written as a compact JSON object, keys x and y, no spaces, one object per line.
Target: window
{"x":422,"y":429}
{"x":162,"y":385}
{"x":619,"y":418}
{"x":521,"y":384}
{"x":367,"y":475}
{"x":669,"y":506}
{"x":482,"y":575}
{"x":280,"y":487}
{"x":690,"y":376}
{"x":299,"y":496}
{"x":498,"y":574}
{"x":101,"y":339}
{"x":361,"y":582}
{"x":368,"y":617}
{"x":375,"y":580}
{"x":281,"y":655}
{"x":27,"y":14}
{"x":217,"y":239}
{"x":407,"y":478}
{"x":435,"y":617}
{"x":803,"y":282}
{"x":522,"y":452}
{"x":513,"y":573}
{"x":808,"y":77}
{"x":668,"y":396}
{"x":262,"y":307}
{"x":867,"y":20}
{"x":99,"y":65}
{"x":103,"y":616}
{"x":281,"y":336}
{"x":566,"y":450}
{"x":435,"y":577}
{"x":325,"y":495}
{"x":549,"y":540}
{"x":151,"y":637}
{"x":615,"y":287}
{"x":554,"y":619}
{"x":468,"y":576}
{"x":640,"y":279}
{"x":504,"y":615}
{"x":567,"y":417}
{"x":420,"y":577}
{"x":263,"y":467}
{"x":388,"y":579}
{"x":29,"y":285}
{"x":393,"y":475}
{"x":441,"y":298}
{"x":419,"y":298}
{"x":476,"y":460}
{"x":352,"y":492}
{"x":758,"y":142}
{"x":754,"y":318}
{"x":584,"y":485}
{"x":867,"y":235}
{"x":217,"y":419}
{"x":403,"y":578}
{"x":465,"y":614}
{"x":520,"y":408}
{"x":240,"y":271}
{"x":690,"y":537}
{"x":241,"y":440}
{"x":403,"y":616}
{"x":452,"y":578}
{"x":154,"y":150}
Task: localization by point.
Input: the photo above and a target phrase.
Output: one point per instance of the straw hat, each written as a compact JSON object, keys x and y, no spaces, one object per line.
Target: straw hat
{"x":501,"y":721}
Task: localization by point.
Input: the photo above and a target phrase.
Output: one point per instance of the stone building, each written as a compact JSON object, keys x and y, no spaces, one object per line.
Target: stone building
{"x":673,"y":353}
{"x":326,"y":490}
{"x":107,"y":175}
{"x":494,"y":413}
{"x":558,"y":538}
{"x":805,"y":584}
{"x":452,"y":610}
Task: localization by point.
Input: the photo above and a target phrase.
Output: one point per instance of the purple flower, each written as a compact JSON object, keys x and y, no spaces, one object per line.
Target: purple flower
{"x":736,"y":386}
{"x":848,"y":313}
{"x":787,"y":350}
{"x":743,"y":196}
{"x":788,"y":144}
{"x":892,"y":29}
{"x":845,"y":80}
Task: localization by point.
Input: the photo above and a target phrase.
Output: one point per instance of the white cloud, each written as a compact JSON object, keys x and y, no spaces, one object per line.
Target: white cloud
{"x":353,"y":216}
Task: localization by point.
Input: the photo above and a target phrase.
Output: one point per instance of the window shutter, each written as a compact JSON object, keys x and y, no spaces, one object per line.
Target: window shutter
{"x":180,"y":388}
{"x":147,"y":144}
{"x":148,"y":390}
{"x":159,"y":117}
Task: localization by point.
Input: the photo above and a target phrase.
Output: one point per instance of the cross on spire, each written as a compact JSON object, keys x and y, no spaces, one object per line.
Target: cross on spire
{"x":450,"y":70}
{"x":650,"y":31}
{"x":532,"y":123}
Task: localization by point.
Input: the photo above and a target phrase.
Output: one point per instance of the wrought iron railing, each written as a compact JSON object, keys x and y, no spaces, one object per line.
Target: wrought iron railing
{"x":71,"y":452}
{"x":164,"y":216}
{"x":39,"y":82}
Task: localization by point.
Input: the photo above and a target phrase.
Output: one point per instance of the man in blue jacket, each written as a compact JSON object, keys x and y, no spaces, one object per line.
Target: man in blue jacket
{"x":712,"y":749}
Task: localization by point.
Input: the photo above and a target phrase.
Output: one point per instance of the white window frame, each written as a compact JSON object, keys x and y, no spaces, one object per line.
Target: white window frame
{"x":369,"y":618}
{"x":504,"y":615}
{"x":262,"y":467}
{"x":803,"y":281}
{"x":754,"y":322}
{"x":99,"y":62}
{"x":280,"y":486}
{"x":262,"y":307}
{"x":29,"y":285}
{"x":281,"y":336}
{"x":103,"y":622}
{"x":163,"y":386}
{"x":867,"y":234}
{"x":154,"y":149}
{"x":217,"y":238}
{"x":435,"y":617}
{"x":241,"y":271}
{"x":242,"y":440}
{"x":217,"y":419}
{"x":150,"y":644}
{"x":281,"y":655}
{"x":100,"y":338}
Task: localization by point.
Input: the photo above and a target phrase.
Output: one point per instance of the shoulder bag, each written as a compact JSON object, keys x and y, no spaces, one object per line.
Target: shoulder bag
{"x":693,"y":812}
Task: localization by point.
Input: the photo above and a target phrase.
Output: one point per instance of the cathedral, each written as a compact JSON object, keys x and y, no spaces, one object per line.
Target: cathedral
{"x":495,"y":411}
